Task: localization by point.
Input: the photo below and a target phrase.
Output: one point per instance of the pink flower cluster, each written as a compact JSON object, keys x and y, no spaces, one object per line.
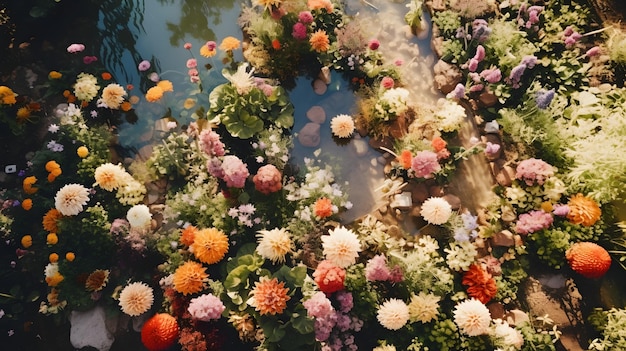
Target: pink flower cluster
{"x":387,"y":83}
{"x":268,"y":179}
{"x":329,"y":278}
{"x":206,"y":307}
{"x":376,"y":269}
{"x":529,"y":17}
{"x":210,"y":143}
{"x":235,"y":171}
{"x":318,"y":306}
{"x":533,"y":221}
{"x":334,"y":327}
{"x":570,"y":37}
{"x":425,"y":164}
{"x":534,"y":171}
{"x":74,"y":48}
{"x":299,"y":29}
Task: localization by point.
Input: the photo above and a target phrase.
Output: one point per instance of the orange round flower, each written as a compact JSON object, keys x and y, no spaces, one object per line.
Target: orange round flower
{"x":106,"y":75}
{"x":54,"y":75}
{"x":27,"y":204}
{"x":27,"y":185}
{"x":269,"y":296}
{"x":82,"y":151}
{"x":405,"y":159}
{"x":159,"y":332}
{"x":480,"y":284}
{"x":276,"y":44}
{"x":188,"y":235}
{"x":70,"y":256}
{"x":319,"y":41}
{"x":165,"y":85}
{"x":126,"y":106}
{"x":583,"y":210}
{"x":229,"y":44}
{"x":53,"y":257}
{"x":52,"y":239}
{"x":27,"y":241}
{"x":55,"y":279}
{"x":190,"y":277}
{"x":210,"y":245}
{"x":438,"y":144}
{"x":154,"y":94}
{"x":52,"y":165}
{"x":23,"y":113}
{"x":588,"y":259}
{"x":323,"y":207}
{"x":50,"y":220}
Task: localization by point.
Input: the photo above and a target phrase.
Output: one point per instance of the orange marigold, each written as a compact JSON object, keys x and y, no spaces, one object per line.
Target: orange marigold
{"x":188,"y":235}
{"x":27,"y":185}
{"x":23,"y":113}
{"x":52,"y":239}
{"x":27,"y":204}
{"x":480,"y":284}
{"x":55,"y":279}
{"x":154,"y":94}
{"x":70,"y":256}
{"x":52,"y":165}
{"x":190,"y":277}
{"x":323,"y":207}
{"x":54,"y":75}
{"x":438,"y":144}
{"x":26,"y":241}
{"x":583,"y":210}
{"x":405,"y":159}
{"x":588,"y":259}
{"x":319,"y":41}
{"x":126,"y":106}
{"x":159,"y":332}
{"x":53,"y":257}
{"x":210,"y":245}
{"x":106,"y":75}
{"x":165,"y":85}
{"x":269,"y":296}
{"x":229,"y":44}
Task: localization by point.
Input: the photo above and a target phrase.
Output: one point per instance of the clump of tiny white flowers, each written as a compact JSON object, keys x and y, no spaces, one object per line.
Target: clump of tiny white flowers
{"x":392,"y":103}
{"x":450,"y":115}
{"x":461,"y":255}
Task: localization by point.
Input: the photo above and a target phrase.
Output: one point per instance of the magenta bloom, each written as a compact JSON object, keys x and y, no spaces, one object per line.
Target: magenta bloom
{"x":206,"y":307}
{"x":425,"y":164}
{"x":374,"y":44}
{"x":318,"y":306}
{"x":472,"y":66}
{"x":210,"y":143}
{"x":214,"y":166}
{"x":480,"y":53}
{"x":491,"y":75}
{"x":376,"y":269}
{"x":144,"y":65}
{"x":387,"y":82}
{"x":235,"y":171}
{"x":192,"y":63}
{"x":305,"y":17}
{"x":299,"y":31}
{"x":560,"y":210}
{"x":211,"y":45}
{"x":89,"y":59}
{"x":74,"y":48}
{"x":533,"y":221}
{"x":193,"y":72}
{"x":594,"y":51}
{"x":534,"y":171}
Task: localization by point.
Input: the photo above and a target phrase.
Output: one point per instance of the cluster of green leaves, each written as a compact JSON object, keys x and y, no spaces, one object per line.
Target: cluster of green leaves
{"x":612,"y":326}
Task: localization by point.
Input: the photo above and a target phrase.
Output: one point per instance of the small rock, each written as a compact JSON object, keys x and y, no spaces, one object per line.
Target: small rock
{"x":552,"y":281}
{"x":517,"y":317}
{"x":419,"y":192}
{"x":319,"y":87}
{"x":505,"y":176}
{"x":88,"y":329}
{"x":496,"y":310}
{"x":504,"y":238}
{"x":402,"y":201}
{"x":453,"y":200}
{"x":316,"y":114}
{"x":487,"y":99}
{"x":447,"y":76}
{"x":492,"y":127}
{"x":309,"y":135}
{"x":324,"y":75}
{"x":360,"y":147}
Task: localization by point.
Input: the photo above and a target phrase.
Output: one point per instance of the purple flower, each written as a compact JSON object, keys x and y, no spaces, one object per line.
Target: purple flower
{"x":144,"y":65}
{"x":214,"y":166}
{"x":543,"y":98}
{"x":533,"y":221}
{"x":491,"y":75}
{"x":89,"y":59}
{"x":74,"y":48}
{"x":299,"y":31}
{"x":425,"y":164}
{"x":54,"y":146}
{"x":516,"y":75}
{"x":473,"y":65}
{"x":305,"y":17}
{"x":560,"y":210}
{"x":376,"y":269}
{"x":491,"y":148}
{"x":480,"y":30}
{"x":529,"y":60}
{"x":458,"y":92}
{"x":210,"y":143}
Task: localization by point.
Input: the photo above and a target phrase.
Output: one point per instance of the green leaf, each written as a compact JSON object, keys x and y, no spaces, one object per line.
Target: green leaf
{"x":302,"y":323}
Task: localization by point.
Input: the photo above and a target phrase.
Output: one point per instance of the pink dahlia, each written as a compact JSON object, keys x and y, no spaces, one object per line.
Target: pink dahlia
{"x":425,"y":164}
{"x":268,"y":179}
{"x":235,"y":171}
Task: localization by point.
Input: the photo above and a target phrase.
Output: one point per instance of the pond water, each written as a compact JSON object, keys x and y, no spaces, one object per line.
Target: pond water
{"x":157,"y":30}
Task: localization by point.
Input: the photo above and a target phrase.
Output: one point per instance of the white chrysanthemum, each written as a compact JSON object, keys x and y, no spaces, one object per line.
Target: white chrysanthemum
{"x":139,"y":216}
{"x":86,"y":87}
{"x":342,"y":126}
{"x":109,"y":176}
{"x":341,"y":246}
{"x":472,"y":317}
{"x":51,"y":270}
{"x":436,"y":210}
{"x":424,"y":307}
{"x":242,"y":80}
{"x":71,"y":198}
{"x":113,"y":95}
{"x":274,"y":244}
{"x":393,"y":314}
{"x":508,"y":335}
{"x":136,"y":298}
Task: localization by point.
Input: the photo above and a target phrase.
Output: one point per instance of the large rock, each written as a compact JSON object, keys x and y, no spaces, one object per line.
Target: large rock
{"x":316,"y":114}
{"x":447,"y":76}
{"x":89,"y":329}
{"x":309,"y":135}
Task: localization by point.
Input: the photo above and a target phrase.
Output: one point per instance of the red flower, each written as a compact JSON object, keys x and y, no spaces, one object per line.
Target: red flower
{"x":588,"y":259}
{"x":159,"y":332}
{"x":329,"y":277}
{"x":480,"y":284}
{"x":276,"y":44}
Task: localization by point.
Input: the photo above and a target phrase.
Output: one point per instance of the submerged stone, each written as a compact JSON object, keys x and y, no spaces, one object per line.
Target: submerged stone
{"x":309,"y":135}
{"x":316,"y":114}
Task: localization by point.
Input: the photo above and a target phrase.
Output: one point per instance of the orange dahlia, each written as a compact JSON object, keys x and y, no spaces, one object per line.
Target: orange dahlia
{"x":97,"y":280}
{"x":480,"y":284}
{"x":159,"y":332}
{"x":588,"y":259}
{"x":188,"y":235}
{"x":210,"y":245}
{"x":583,"y":210}
{"x":50,"y":220}
{"x":319,"y":41}
{"x":190,"y":277}
{"x":323,"y":207}
{"x":269,"y":296}
{"x":27,"y":185}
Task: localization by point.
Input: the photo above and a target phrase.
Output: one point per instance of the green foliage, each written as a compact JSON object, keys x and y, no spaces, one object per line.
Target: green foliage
{"x":612,"y":326}
{"x":447,"y":22}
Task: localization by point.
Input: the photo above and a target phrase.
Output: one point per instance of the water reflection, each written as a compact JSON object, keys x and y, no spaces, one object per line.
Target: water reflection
{"x":195,"y":17}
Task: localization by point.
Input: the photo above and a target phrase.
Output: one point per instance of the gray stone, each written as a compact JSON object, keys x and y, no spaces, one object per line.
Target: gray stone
{"x":447,"y":76}
{"x":316,"y":114}
{"x":319,"y":87}
{"x":89,"y":329}
{"x":516,"y":317}
{"x":360,"y":147}
{"x":402,"y":201}
{"x":309,"y":135}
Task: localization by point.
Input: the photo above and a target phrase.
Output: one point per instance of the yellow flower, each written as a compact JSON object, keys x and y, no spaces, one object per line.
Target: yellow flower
{"x":52,"y":165}
{"x":55,"y":279}
{"x":206,"y":52}
{"x":154,"y":94}
{"x":82,"y":152}
{"x":165,"y":85}
{"x":583,"y":210}
{"x":189,"y":103}
{"x":23,"y":113}
{"x":189,"y":278}
{"x":319,"y":41}
{"x":54,"y":75}
{"x":52,"y":239}
{"x":229,"y":44}
{"x":27,"y":241}
{"x":210,"y":245}
{"x":70,"y":256}
{"x":53,"y":257}
{"x":7,"y":96}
